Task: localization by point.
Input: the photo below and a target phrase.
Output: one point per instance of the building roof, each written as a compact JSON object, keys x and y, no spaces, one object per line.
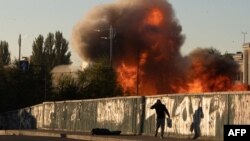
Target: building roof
{"x":246,"y":45}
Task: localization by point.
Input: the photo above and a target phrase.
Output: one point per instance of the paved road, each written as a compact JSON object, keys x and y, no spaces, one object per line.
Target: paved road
{"x":35,"y":138}
{"x":31,"y":138}
{"x":12,"y":135}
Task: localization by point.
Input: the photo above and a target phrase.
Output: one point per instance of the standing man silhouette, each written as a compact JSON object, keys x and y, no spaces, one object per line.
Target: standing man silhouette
{"x":161,"y":112}
{"x":197,"y":116}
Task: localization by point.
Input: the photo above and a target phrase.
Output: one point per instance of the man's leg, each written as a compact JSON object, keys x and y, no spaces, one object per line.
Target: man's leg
{"x":162,"y":127}
{"x":158,"y":123}
{"x":196,"y":131}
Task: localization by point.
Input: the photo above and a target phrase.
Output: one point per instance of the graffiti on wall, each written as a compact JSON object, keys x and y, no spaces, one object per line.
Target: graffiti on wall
{"x":49,"y":112}
{"x":111,"y":111}
{"x":217,"y":109}
{"x":182,"y":110}
{"x":37,"y":112}
{"x":74,"y":113}
{"x":240,"y":102}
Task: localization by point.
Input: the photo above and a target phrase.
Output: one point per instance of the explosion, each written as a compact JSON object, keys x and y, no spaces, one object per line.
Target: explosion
{"x":209,"y":72}
{"x":146,"y":50}
{"x":155,"y":17}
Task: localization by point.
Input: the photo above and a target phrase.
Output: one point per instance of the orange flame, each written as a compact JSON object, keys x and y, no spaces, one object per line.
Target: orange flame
{"x":194,"y":87}
{"x":199,"y":78}
{"x":127,"y":77}
{"x":155,"y":17}
{"x":127,"y":74}
{"x":204,"y":79}
{"x":239,"y":87}
{"x":143,"y":58}
{"x":146,"y":54}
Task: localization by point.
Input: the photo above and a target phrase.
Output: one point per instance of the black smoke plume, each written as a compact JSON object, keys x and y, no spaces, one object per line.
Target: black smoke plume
{"x":147,"y":37}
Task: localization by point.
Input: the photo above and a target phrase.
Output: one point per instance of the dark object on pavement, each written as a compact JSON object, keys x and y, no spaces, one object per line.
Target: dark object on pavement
{"x":104,"y":131}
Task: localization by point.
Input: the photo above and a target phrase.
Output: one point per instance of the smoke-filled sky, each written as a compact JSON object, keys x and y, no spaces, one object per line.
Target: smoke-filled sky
{"x":146,"y":50}
{"x":204,"y":23}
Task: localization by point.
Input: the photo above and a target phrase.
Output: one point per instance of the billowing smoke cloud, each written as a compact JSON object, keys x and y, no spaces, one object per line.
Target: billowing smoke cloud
{"x":208,"y":71}
{"x":146,"y":46}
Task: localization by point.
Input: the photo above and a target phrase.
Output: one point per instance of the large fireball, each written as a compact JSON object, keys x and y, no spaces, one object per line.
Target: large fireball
{"x":146,"y":50}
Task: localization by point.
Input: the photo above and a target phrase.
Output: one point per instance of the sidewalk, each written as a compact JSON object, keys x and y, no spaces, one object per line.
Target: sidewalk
{"x":88,"y":136}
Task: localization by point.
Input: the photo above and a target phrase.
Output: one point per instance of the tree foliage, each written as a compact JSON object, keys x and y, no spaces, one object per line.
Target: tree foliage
{"x":48,"y":53}
{"x":37,"y":56}
{"x":19,"y":89}
{"x":51,"y":52}
{"x":67,"y":88}
{"x":98,"y":80}
{"x":62,"y":56}
{"x":4,"y":53}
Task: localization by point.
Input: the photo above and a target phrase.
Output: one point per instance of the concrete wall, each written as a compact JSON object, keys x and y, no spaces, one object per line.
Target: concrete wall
{"x":182,"y":109}
{"x":114,"y":113}
{"x":132,"y":115}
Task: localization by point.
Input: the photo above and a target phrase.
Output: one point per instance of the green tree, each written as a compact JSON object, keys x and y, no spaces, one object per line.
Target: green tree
{"x":37,"y":57}
{"x":20,"y":87}
{"x":4,"y":53}
{"x":51,"y":52}
{"x":98,"y":80}
{"x":47,"y":54}
{"x":62,"y":56}
{"x":67,"y":88}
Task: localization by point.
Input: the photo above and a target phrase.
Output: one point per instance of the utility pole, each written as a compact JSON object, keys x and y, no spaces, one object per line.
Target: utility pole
{"x":137,"y":71}
{"x":244,"y":36}
{"x":45,"y":84}
{"x":19,"y":43}
{"x":111,"y":36}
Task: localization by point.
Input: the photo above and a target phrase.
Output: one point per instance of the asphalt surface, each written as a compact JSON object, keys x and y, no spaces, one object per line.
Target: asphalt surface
{"x":48,"y":135}
{"x":33,"y":138}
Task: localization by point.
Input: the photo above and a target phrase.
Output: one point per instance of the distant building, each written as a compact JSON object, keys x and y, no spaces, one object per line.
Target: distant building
{"x":243,"y":59}
{"x":59,"y":72}
{"x":238,"y":57}
{"x":246,"y":63}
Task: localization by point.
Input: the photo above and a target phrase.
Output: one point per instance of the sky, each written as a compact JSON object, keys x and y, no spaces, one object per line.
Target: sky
{"x":206,"y":23}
